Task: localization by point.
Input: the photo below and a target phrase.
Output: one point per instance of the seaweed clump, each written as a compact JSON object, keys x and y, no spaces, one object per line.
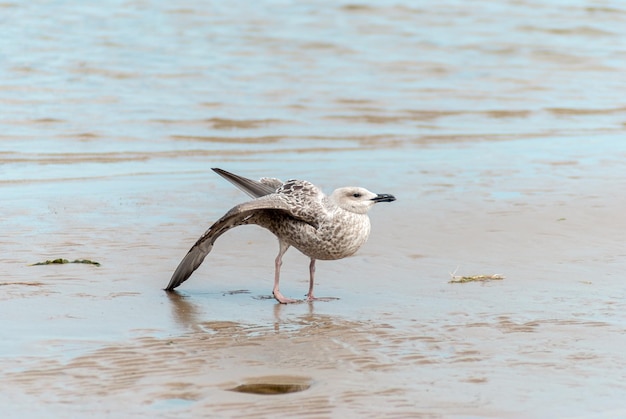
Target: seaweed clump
{"x":61,"y":261}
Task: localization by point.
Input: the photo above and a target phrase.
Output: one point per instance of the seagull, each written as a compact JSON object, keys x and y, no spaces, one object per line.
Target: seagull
{"x":299,"y":214}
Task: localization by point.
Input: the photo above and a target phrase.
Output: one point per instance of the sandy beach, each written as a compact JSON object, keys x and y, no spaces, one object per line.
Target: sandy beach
{"x":99,"y":340}
{"x":501,"y":141}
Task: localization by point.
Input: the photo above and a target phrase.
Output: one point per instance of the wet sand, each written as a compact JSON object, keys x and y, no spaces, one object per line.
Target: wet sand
{"x":400,"y":342}
{"x":499,"y":128}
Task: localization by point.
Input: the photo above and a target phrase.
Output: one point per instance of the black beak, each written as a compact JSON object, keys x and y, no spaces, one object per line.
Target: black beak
{"x":384,"y":197}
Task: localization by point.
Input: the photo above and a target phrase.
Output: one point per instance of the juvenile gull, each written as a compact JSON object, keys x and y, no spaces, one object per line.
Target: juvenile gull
{"x":300,"y":215}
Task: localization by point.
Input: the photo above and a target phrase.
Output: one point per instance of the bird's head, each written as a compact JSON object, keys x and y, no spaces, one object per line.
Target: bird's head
{"x":358,"y":200}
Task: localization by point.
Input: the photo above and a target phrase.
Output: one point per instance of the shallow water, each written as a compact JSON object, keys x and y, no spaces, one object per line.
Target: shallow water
{"x":498,"y":125}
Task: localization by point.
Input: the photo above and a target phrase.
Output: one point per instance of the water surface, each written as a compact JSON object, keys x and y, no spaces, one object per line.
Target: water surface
{"x":498,"y":126}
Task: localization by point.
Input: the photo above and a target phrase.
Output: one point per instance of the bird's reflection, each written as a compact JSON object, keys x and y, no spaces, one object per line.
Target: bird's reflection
{"x":286,"y":317}
{"x":185,"y":313}
{"x":279,"y":313}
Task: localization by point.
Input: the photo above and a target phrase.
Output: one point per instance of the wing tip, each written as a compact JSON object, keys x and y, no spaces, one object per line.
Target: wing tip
{"x":172,"y":285}
{"x":188,"y":265}
{"x":180,"y":275}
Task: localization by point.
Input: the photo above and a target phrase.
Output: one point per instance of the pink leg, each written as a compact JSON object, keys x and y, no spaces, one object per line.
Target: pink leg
{"x":309,"y":295}
{"x":277,"y":264}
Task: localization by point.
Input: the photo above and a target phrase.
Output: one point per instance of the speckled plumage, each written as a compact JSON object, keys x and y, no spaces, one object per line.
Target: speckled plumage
{"x":299,"y":215}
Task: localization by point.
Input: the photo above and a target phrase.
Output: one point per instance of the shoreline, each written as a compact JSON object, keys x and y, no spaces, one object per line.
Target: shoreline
{"x":422,"y":344}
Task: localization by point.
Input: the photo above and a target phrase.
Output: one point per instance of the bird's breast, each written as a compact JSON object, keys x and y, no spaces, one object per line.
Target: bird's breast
{"x":335,"y":239}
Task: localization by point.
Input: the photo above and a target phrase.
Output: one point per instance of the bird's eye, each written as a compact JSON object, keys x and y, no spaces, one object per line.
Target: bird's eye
{"x":356,"y":195}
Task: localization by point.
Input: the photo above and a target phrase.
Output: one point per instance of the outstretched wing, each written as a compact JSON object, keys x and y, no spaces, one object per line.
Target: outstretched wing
{"x":239,"y":215}
{"x":253,"y":188}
